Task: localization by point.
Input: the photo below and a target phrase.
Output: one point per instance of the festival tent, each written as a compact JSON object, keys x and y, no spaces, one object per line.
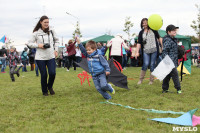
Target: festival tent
{"x":186,"y":42}
{"x":101,"y":39}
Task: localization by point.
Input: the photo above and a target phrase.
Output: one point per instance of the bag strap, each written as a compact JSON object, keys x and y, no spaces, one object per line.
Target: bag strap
{"x":182,"y":69}
{"x":53,"y":39}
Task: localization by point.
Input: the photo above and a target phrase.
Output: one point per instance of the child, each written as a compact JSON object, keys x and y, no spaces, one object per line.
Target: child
{"x":170,"y":48}
{"x":98,"y":67}
{"x":13,"y":58}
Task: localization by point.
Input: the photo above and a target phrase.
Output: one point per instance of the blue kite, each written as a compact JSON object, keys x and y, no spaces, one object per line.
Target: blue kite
{"x":187,"y":119}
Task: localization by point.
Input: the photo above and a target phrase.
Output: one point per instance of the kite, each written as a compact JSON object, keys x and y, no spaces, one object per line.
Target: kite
{"x":187,"y":119}
{"x":82,"y":76}
{"x":115,"y":77}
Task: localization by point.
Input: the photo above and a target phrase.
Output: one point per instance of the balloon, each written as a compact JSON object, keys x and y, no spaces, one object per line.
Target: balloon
{"x":155,"y":22}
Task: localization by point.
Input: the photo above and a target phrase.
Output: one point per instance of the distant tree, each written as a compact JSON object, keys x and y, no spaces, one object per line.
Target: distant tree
{"x":77,"y":31}
{"x":127,"y":27}
{"x":194,"y":39}
{"x":196,"y":24}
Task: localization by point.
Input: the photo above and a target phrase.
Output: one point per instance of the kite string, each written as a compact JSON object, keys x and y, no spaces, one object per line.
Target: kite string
{"x":147,"y":110}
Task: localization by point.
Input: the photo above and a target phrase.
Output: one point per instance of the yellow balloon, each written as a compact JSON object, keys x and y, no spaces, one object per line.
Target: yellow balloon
{"x":155,"y":22}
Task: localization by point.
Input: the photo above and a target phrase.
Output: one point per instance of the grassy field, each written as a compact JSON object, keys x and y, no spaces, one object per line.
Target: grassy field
{"x":76,"y":108}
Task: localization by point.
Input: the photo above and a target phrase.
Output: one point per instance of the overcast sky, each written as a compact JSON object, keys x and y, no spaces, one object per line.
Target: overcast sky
{"x":18,"y":17}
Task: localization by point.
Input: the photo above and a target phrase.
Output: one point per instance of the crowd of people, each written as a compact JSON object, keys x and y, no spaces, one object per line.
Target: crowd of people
{"x":42,"y":53}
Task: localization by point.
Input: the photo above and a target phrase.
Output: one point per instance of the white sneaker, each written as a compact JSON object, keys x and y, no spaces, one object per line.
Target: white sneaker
{"x":67,"y":70}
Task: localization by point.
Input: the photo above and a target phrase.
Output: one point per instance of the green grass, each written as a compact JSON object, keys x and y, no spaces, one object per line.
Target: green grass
{"x":77,"y":108}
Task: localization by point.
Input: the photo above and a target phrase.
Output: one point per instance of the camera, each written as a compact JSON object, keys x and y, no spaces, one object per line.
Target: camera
{"x":46,"y":45}
{"x":144,"y":41}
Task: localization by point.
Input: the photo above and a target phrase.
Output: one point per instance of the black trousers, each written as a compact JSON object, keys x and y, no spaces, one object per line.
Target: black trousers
{"x":71,"y":58}
{"x":118,"y":58}
{"x":175,"y":78}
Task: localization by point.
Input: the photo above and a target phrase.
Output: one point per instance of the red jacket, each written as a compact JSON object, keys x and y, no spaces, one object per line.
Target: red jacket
{"x":71,"y":49}
{"x":185,"y":55}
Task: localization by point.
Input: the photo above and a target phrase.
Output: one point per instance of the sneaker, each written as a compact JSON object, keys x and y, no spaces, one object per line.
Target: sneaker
{"x":18,"y":74}
{"x":67,"y":70}
{"x":165,"y":91}
{"x":45,"y":94}
{"x":179,"y":91}
{"x":13,"y":80}
{"x":113,"y":90}
{"x":3,"y":72}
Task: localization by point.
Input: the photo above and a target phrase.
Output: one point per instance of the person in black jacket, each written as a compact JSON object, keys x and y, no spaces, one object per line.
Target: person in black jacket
{"x":148,"y":42}
{"x":3,"y":55}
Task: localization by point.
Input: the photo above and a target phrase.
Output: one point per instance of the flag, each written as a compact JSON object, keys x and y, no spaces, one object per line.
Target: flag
{"x":186,"y":67}
{"x":3,"y":39}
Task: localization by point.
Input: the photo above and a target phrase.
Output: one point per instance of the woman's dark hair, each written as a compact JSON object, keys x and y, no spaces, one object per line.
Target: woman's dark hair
{"x":144,"y":19}
{"x":38,"y":25}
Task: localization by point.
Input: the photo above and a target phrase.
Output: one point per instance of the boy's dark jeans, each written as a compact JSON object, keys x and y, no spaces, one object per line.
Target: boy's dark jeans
{"x":12,"y":72}
{"x":175,"y":78}
{"x":43,"y":65}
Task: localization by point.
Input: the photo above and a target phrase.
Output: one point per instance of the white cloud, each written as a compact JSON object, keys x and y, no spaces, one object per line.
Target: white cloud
{"x":96,"y":16}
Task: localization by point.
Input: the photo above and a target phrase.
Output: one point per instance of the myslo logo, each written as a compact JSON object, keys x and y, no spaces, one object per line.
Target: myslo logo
{"x":192,"y":129}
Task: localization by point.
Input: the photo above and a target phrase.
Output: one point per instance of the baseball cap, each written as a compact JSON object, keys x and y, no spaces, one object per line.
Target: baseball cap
{"x":171,"y":28}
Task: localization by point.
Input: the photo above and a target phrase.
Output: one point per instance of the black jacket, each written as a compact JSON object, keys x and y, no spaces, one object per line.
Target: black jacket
{"x":170,"y":47}
{"x":2,"y":52}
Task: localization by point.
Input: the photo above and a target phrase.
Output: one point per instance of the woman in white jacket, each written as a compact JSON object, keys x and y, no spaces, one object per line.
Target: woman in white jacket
{"x":46,"y":42}
{"x":116,"y":45}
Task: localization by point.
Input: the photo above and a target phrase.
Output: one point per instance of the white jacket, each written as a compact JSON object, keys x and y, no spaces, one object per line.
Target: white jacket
{"x":117,"y":43}
{"x":40,"y":37}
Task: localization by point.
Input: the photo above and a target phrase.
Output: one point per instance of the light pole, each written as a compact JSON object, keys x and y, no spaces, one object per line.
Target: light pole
{"x":77,"y":30}
{"x":73,"y":16}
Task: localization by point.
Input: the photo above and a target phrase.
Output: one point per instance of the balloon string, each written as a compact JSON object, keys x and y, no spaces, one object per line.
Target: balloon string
{"x":147,"y":110}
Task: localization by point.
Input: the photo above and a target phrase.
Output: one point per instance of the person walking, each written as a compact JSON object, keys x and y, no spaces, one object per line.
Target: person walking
{"x":45,"y":40}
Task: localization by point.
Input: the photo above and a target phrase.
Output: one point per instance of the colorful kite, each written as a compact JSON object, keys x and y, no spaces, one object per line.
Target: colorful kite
{"x":115,"y":77}
{"x":187,"y":119}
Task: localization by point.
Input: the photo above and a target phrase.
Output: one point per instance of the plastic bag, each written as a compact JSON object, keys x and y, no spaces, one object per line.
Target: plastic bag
{"x":163,"y":68}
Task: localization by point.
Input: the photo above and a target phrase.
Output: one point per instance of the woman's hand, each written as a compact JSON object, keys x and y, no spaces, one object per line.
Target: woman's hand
{"x":55,"y":53}
{"x":107,"y":73}
{"x":137,"y":55}
{"x":40,"y":45}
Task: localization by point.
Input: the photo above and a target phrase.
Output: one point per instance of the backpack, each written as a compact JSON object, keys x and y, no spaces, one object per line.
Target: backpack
{"x":181,"y":52}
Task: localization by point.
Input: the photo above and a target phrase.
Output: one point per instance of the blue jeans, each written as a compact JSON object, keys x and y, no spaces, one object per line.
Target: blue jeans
{"x":149,"y":59}
{"x":124,"y":61}
{"x":102,"y":86}
{"x":36,"y":69}
{"x":3,"y":67}
{"x":24,"y":62}
{"x":158,"y":60}
{"x":43,"y":65}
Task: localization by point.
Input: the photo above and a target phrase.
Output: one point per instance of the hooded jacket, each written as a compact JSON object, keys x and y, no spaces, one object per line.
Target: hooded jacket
{"x":97,"y":64}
